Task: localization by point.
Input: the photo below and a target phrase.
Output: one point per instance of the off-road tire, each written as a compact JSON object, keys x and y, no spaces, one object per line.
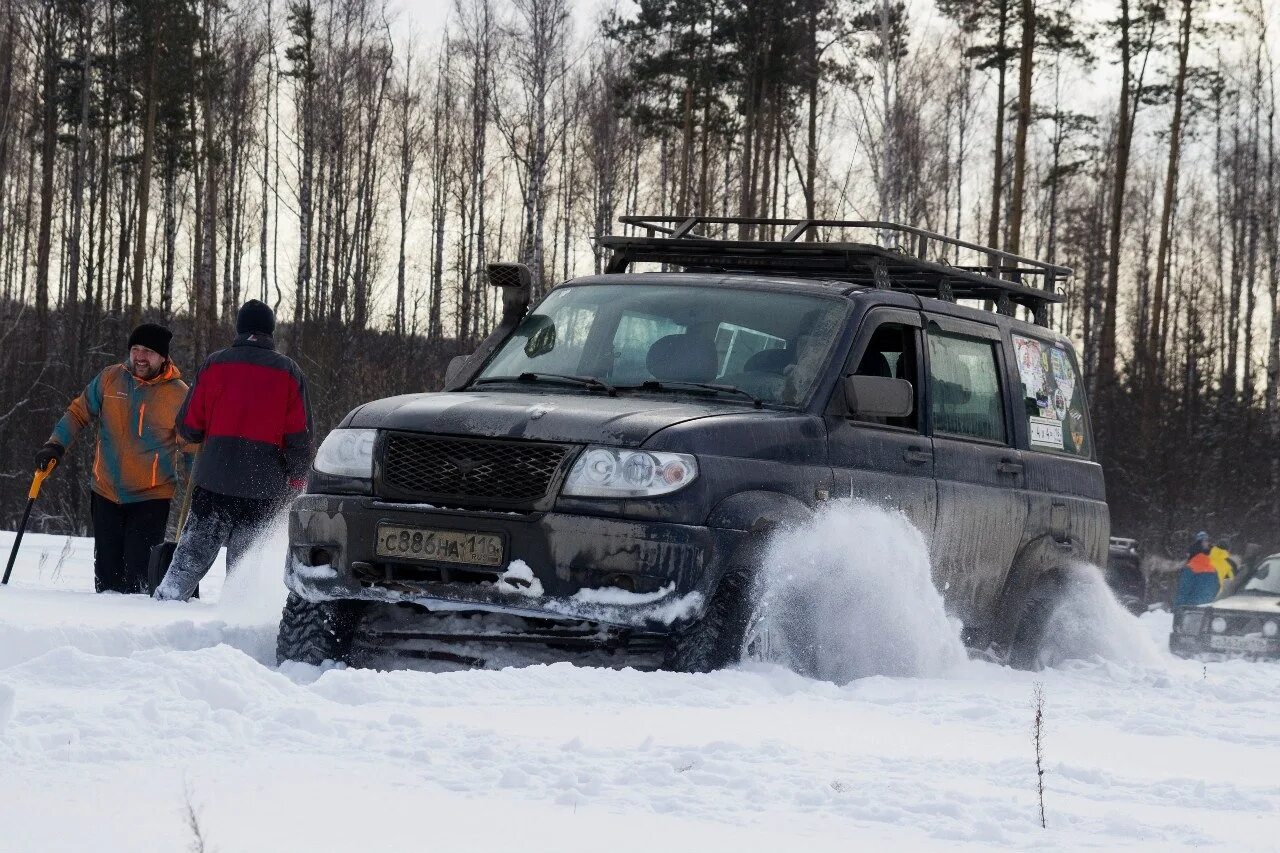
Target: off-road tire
{"x":314,"y":632}
{"x":715,"y":641}
{"x":1028,"y":639}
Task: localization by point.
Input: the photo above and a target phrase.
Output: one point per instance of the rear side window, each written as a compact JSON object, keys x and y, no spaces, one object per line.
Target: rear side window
{"x":964,"y":385}
{"x":1053,"y":397}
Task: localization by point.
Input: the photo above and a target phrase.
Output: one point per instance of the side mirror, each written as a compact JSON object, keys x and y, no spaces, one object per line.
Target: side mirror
{"x":879,"y":396}
{"x":539,"y":333}
{"x":456,"y":366}
{"x":1263,"y":572}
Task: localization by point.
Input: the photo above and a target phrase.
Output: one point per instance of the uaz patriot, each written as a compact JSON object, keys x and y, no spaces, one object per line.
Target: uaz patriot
{"x":605,"y":469}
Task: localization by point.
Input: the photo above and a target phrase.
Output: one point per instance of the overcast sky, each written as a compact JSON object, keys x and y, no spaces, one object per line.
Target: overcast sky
{"x":429,"y":16}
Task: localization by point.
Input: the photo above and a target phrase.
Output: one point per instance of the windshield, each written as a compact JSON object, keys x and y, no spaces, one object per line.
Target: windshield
{"x":1265,"y":578}
{"x":771,"y":345}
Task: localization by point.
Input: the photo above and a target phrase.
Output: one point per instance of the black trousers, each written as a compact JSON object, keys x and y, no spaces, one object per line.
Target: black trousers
{"x":214,"y":520}
{"x":122,"y":538}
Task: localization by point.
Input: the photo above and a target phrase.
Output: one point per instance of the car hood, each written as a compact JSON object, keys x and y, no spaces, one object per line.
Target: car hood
{"x":1251,"y":602}
{"x":626,"y":421}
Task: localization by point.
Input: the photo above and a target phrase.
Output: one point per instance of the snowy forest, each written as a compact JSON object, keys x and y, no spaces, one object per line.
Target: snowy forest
{"x":168,"y":159}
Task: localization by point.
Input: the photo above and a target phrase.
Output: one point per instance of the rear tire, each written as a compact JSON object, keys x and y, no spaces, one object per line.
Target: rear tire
{"x":1025,"y":652}
{"x":314,"y":632}
{"x":715,"y":641}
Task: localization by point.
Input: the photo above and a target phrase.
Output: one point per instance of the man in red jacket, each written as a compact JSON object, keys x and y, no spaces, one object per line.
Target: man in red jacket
{"x":248,"y":409}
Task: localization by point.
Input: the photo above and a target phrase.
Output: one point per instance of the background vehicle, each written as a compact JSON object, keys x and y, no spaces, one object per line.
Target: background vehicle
{"x":1125,"y":575}
{"x":1245,"y":623}
{"x":607,"y":469}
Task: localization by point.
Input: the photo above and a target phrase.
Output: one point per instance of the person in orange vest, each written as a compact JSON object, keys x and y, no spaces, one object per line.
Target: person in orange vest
{"x":138,"y":456}
{"x":1200,"y":581}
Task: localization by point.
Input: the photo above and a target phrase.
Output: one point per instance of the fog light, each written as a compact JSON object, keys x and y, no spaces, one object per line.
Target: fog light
{"x":1218,"y":624}
{"x":1270,"y":628}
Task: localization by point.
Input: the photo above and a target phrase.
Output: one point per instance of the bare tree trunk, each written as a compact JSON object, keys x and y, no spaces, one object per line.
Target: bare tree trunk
{"x":1024,"y":121}
{"x":144,"y":175}
{"x":997,"y":163}
{"x":207,"y":272}
{"x":264,"y":186}
{"x":1156,"y":334}
{"x":7,"y":123}
{"x":1124,"y":135}
{"x":48,"y":154}
{"x":78,"y":154}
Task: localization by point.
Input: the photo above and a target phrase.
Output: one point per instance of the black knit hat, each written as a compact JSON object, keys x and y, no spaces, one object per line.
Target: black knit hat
{"x":255,"y":316}
{"x":153,"y":337}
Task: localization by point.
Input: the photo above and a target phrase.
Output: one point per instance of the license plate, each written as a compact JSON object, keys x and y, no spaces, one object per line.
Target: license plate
{"x":1240,"y":644}
{"x":442,"y":546}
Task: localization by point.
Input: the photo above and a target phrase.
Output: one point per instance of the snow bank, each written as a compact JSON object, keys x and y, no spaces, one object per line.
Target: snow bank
{"x":104,"y":739}
{"x":49,"y":604}
{"x":850,"y":593}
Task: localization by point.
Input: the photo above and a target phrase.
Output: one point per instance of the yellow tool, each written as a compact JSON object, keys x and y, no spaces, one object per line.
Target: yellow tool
{"x":32,"y":494}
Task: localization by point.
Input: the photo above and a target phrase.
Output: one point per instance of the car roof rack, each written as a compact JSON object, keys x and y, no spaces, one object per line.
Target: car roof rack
{"x":888,"y":256}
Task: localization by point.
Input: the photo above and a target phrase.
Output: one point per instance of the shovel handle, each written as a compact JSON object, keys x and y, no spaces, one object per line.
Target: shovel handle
{"x":39,"y":478}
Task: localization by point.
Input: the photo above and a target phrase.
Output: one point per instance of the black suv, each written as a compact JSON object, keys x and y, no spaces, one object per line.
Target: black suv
{"x":606,"y":469}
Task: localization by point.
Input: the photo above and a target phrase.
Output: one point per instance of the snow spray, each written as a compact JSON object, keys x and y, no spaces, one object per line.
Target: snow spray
{"x":849,"y":594}
{"x":1088,"y":623}
{"x":254,"y":591}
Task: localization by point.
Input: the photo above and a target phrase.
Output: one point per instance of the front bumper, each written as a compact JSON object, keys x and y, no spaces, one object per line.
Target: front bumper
{"x":614,"y":572}
{"x":1193,"y":635}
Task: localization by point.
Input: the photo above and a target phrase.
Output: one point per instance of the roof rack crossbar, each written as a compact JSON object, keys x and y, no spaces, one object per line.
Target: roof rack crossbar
{"x":898,"y":256}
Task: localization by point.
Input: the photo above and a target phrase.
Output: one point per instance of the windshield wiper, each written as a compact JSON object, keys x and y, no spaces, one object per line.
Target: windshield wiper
{"x":676,"y":385}
{"x":529,"y":376}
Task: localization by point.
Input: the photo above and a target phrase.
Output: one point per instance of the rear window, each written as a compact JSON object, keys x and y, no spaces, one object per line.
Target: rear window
{"x":1053,"y":394}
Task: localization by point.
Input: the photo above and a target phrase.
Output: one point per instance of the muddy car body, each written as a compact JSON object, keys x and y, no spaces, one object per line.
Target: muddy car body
{"x":1243,"y":624}
{"x":609,"y":466}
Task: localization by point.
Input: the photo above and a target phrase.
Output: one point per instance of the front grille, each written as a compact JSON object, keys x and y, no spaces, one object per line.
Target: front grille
{"x":469,"y":471}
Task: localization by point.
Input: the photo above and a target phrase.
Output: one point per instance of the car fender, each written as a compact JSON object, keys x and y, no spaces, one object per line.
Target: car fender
{"x":758,"y":512}
{"x":743,"y":523}
{"x":1043,"y":560}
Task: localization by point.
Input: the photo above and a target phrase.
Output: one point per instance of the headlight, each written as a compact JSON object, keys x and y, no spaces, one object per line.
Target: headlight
{"x":347,"y":453}
{"x":603,"y":472}
{"x":1218,"y":624}
{"x":1270,"y":628}
{"x":1191,"y":621}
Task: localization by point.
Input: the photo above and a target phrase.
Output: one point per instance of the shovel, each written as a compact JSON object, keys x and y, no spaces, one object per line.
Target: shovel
{"x":162,"y":554}
{"x":36,"y":482}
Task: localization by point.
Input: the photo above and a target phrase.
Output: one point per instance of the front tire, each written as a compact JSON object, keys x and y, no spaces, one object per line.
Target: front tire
{"x":314,"y":632}
{"x":715,"y":641}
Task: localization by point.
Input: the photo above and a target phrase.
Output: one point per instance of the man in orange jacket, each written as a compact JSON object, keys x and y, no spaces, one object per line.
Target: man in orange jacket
{"x":137,"y":459}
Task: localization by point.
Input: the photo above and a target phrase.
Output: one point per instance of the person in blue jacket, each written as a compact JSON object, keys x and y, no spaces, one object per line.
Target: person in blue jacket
{"x":1199,"y":581}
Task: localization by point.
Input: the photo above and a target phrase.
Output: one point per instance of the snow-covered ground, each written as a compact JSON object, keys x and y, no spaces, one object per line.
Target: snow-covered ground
{"x":120,"y":718}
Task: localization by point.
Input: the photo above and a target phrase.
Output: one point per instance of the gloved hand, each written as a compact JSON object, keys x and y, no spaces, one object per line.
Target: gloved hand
{"x":298,"y":484}
{"x":51,"y":452}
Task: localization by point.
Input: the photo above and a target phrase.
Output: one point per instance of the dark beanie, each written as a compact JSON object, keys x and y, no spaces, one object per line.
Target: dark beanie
{"x":255,"y":316}
{"x":153,"y":337}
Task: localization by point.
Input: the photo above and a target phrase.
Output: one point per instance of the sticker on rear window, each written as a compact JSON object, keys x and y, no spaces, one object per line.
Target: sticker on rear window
{"x":1046,"y":432}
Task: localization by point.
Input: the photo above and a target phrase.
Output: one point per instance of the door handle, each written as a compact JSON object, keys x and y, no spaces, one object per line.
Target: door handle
{"x":1009,"y":466}
{"x":917,"y":455}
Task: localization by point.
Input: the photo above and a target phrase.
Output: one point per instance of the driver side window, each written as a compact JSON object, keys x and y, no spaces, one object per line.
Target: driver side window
{"x":891,"y":353}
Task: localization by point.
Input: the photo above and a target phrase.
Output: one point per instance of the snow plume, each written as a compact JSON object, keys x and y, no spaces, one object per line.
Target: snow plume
{"x":254,"y":591}
{"x":849,"y":594}
{"x":1089,"y":624}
